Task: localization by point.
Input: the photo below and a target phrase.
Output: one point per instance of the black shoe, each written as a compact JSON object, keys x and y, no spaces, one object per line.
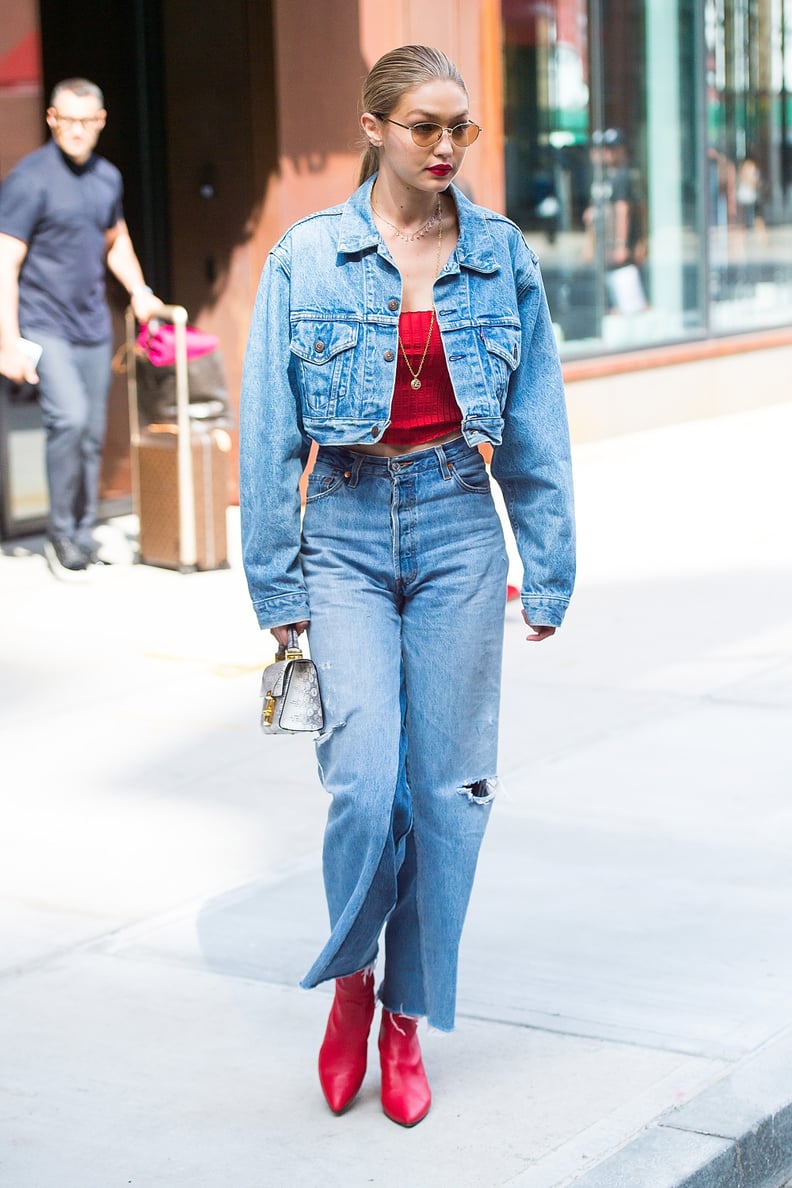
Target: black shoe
{"x":63,"y":557}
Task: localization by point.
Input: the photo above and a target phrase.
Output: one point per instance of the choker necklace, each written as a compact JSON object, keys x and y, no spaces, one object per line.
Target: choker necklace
{"x":415,"y":382}
{"x":434,"y":218}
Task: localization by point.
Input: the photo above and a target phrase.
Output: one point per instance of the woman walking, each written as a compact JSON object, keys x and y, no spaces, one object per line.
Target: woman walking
{"x":399,"y":331}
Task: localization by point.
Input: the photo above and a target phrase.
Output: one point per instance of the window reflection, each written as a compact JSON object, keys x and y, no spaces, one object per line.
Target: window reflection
{"x":649,"y":162}
{"x":748,"y":64}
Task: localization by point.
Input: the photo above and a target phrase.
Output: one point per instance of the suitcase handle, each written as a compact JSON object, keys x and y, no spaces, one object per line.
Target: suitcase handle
{"x":177,"y":316}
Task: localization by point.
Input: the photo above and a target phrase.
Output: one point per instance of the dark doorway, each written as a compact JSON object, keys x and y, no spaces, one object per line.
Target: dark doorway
{"x":192,"y":125}
{"x":119,"y":47}
{"x":221,"y":130}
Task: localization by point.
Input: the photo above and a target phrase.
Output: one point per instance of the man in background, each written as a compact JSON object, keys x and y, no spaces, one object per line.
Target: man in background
{"x":614,"y":221}
{"x":61,"y":227}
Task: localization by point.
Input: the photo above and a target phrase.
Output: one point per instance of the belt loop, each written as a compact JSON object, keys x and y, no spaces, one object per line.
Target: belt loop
{"x":445,"y":467}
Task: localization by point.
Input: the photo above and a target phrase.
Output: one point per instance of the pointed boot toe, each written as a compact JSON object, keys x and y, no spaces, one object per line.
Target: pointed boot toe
{"x":406,"y":1096}
{"x":344,"y":1050}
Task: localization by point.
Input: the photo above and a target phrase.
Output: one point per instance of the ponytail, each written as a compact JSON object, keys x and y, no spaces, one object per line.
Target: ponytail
{"x":369,"y":163}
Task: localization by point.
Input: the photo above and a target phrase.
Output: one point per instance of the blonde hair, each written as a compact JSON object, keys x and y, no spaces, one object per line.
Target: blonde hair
{"x":399,"y":71}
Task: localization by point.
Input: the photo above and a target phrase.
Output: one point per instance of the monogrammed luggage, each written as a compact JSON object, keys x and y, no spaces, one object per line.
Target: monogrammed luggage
{"x":159,"y":496}
{"x":180,"y":472}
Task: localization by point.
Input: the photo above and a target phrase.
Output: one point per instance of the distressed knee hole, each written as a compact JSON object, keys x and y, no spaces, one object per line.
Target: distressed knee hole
{"x":329,"y":731}
{"x":480,"y":792}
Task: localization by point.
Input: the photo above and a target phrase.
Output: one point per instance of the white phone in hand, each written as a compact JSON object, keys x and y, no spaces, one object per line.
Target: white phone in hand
{"x":33,"y":350}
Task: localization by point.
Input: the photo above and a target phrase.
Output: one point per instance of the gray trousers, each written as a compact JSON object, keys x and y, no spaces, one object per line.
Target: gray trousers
{"x":74,"y":383}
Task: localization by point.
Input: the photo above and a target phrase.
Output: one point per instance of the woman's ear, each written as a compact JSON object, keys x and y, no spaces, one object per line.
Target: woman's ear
{"x":371,"y":126}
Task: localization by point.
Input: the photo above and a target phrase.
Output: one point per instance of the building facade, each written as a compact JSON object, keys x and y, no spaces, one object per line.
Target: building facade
{"x":645,"y":146}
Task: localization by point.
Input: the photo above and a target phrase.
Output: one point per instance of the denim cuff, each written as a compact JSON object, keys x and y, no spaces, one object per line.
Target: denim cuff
{"x":544,"y":611}
{"x":281,"y":609}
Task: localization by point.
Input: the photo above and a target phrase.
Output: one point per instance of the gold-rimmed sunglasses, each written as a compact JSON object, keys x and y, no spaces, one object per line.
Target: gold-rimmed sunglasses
{"x":425,"y":134}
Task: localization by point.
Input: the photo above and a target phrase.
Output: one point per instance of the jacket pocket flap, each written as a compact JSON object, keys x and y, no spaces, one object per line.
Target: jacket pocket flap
{"x":503,"y":341}
{"x":318,"y":342}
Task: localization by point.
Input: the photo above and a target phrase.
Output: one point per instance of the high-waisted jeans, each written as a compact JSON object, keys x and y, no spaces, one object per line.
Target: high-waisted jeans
{"x":405,"y":564}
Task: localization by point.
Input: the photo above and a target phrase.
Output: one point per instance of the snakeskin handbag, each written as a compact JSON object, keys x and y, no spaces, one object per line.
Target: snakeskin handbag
{"x":290,"y":692}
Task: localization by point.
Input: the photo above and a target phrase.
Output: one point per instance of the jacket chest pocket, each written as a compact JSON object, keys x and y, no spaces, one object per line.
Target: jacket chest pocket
{"x":324,"y":352}
{"x":502,"y":347}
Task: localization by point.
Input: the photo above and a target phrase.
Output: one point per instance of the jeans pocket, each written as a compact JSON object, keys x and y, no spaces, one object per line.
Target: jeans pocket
{"x":470,"y":473}
{"x":323,"y":481}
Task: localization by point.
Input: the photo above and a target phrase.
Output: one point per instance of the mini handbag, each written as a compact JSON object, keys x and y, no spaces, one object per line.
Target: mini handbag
{"x":290,"y":692}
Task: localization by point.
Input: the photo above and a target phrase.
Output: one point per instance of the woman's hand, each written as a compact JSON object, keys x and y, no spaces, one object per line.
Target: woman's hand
{"x":539,"y":633}
{"x":282,"y":633}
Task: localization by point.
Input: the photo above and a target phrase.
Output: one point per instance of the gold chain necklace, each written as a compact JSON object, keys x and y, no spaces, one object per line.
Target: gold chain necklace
{"x":433,"y":218}
{"x":415,"y":382}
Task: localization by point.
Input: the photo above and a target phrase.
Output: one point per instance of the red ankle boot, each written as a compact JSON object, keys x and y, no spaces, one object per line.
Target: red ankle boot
{"x":342,"y":1056}
{"x":406,"y":1096}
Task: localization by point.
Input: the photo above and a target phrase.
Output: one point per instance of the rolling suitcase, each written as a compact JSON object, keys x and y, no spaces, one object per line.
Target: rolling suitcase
{"x":180,"y":472}
{"x":158,"y":470}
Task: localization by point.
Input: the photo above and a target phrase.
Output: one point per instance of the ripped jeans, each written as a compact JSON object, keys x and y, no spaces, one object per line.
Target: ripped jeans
{"x":405,"y":565}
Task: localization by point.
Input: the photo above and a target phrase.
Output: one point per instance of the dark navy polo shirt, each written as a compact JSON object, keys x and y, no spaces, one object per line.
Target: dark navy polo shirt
{"x":62,"y":210}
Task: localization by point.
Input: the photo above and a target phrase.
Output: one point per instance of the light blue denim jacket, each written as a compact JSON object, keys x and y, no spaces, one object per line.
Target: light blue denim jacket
{"x":321,"y":363}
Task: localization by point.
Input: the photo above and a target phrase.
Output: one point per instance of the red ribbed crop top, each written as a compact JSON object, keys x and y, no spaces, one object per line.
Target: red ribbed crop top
{"x":431,"y":411}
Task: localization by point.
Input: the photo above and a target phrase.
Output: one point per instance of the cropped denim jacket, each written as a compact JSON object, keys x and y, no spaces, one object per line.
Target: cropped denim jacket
{"x":321,"y":364}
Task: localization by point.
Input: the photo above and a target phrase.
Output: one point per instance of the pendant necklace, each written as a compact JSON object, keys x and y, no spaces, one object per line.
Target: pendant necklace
{"x":436,"y":214}
{"x":415,"y":382}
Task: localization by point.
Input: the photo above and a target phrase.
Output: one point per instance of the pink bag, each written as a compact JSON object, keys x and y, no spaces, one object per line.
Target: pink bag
{"x":156,"y":377}
{"x":159,"y":345}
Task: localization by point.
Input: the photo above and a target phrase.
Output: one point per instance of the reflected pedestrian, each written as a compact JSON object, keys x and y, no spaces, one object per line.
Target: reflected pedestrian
{"x":749,"y":195}
{"x":613,"y":221}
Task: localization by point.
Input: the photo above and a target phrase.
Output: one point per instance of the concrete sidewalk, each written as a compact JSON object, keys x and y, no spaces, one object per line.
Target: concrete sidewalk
{"x":626,"y":985}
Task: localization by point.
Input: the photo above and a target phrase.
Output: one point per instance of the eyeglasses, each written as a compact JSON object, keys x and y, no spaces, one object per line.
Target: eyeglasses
{"x":425,"y":135}
{"x":610,"y":137}
{"x":71,"y":121}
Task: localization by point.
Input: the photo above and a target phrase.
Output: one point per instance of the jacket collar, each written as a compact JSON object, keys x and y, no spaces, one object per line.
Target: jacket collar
{"x":474,"y":250}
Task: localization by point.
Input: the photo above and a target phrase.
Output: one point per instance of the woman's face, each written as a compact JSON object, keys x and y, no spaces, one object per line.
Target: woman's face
{"x":429,"y":169}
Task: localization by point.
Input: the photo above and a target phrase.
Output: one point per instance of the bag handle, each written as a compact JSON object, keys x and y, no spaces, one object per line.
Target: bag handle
{"x":290,"y":650}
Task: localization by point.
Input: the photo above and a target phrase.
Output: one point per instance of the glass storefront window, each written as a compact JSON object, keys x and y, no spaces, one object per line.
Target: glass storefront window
{"x":748,"y":47}
{"x":649,"y":162}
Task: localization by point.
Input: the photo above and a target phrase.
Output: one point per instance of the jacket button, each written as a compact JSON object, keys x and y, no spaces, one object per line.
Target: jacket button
{"x":388,"y":356}
{"x":375,"y":431}
{"x":319,"y":346}
{"x":393,"y":303}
